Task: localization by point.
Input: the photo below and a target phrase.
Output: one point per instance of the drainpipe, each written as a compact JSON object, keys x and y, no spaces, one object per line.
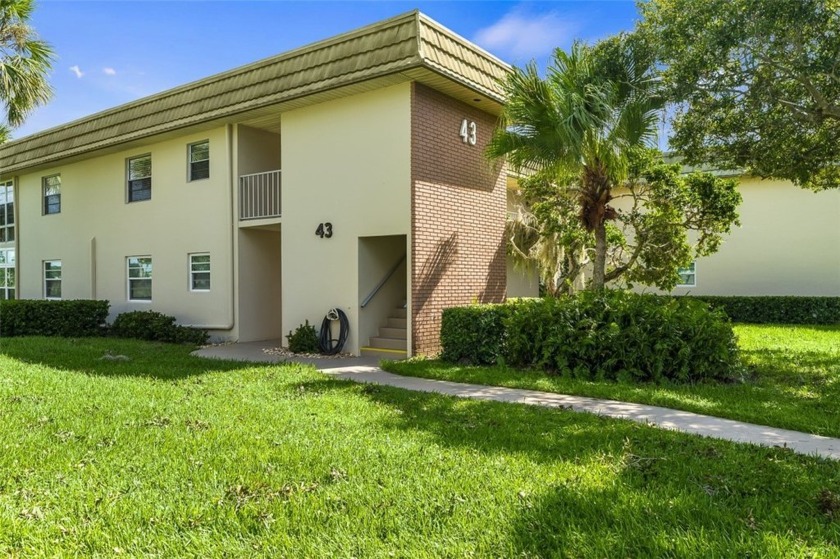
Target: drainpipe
{"x":93,"y":268}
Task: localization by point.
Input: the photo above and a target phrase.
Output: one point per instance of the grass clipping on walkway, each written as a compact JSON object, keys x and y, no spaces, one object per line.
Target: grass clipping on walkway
{"x":163,"y":454}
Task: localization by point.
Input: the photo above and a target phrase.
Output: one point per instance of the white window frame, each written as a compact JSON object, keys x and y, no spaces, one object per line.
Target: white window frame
{"x":129,"y":180}
{"x":192,"y":272}
{"x":53,"y":279}
{"x":691,"y":269}
{"x":8,"y":264}
{"x":7,"y":210}
{"x":128,"y":278}
{"x":190,"y":161}
{"x":44,"y":193}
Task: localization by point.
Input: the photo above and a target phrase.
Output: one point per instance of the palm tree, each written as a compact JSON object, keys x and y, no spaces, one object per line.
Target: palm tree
{"x":578,"y":126}
{"x":24,"y":64}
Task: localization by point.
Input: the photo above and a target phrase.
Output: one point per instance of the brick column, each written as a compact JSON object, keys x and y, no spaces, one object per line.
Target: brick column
{"x":457,"y":214}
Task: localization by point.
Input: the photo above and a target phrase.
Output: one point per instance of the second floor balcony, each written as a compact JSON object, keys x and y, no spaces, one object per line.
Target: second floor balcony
{"x":259,"y":195}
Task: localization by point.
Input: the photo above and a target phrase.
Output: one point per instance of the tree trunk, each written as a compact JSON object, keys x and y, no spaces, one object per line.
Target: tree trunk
{"x":599,"y":265}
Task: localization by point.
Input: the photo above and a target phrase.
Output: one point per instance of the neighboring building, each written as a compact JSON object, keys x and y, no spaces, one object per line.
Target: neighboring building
{"x":253,"y":200}
{"x":788,"y":244}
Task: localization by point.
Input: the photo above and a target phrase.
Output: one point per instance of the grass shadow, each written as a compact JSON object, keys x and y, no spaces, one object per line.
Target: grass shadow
{"x":625,"y":489}
{"x":114,"y":357}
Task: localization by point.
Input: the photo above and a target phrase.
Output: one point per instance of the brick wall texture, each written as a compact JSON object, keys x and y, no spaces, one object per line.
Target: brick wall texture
{"x":457,"y":214}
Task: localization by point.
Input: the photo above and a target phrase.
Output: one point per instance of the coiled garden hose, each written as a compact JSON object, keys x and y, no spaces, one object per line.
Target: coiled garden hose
{"x":327,"y":344}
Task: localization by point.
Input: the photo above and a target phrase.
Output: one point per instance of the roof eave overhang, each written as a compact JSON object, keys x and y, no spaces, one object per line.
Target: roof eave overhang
{"x":394,"y":50}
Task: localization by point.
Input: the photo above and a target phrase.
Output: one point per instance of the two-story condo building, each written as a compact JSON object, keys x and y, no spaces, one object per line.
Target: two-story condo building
{"x":349,"y":173}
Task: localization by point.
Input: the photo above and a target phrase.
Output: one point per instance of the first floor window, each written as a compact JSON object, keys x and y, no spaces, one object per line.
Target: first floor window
{"x":140,"y":178}
{"x":52,"y":279}
{"x":139,"y":278}
{"x":52,"y":194}
{"x":199,"y":154}
{"x":200,"y":272}
{"x":7,"y":274}
{"x":688,"y":276}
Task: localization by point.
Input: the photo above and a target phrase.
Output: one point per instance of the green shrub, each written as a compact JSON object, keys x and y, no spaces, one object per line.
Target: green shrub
{"x":73,"y":318}
{"x":613,"y":335}
{"x":304,"y":339}
{"x":777,"y":310}
{"x":475,"y":334}
{"x":155,"y":326}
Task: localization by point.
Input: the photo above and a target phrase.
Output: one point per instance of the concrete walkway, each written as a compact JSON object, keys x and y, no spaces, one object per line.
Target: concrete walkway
{"x":358,"y":369}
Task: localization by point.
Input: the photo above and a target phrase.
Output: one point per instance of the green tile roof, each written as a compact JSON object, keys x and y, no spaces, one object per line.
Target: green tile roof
{"x":410,"y":46}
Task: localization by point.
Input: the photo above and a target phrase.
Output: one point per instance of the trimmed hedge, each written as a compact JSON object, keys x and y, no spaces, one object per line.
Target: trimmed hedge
{"x":156,"y":327}
{"x":73,"y":318}
{"x":613,"y":335}
{"x":475,"y":334}
{"x":777,"y":310}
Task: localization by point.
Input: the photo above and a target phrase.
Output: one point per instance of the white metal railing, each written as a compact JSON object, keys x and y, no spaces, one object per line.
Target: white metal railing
{"x":259,"y":195}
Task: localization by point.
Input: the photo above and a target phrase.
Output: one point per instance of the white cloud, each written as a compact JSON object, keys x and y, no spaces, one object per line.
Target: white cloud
{"x":76,"y":70}
{"x":524,"y":35}
{"x":109,"y":71}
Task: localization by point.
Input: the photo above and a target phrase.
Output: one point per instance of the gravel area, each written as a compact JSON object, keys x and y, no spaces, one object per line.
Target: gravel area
{"x":284,"y":352}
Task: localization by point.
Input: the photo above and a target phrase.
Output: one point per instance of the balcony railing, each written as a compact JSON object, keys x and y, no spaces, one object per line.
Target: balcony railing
{"x":259,"y":195}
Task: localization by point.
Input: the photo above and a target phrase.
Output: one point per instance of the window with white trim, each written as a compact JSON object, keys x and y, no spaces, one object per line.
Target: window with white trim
{"x":140,"y":178}
{"x":52,"y":194}
{"x":139,"y":278}
{"x":7,"y":273}
{"x":52,"y":279}
{"x":199,"y":157}
{"x":688,"y":276}
{"x":200,"y":272}
{"x":7,"y":212}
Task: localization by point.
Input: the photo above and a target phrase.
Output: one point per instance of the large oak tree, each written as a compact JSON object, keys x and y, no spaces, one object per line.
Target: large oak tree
{"x":756,"y":82}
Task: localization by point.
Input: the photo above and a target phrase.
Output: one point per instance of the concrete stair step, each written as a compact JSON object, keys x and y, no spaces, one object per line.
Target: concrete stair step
{"x":388,"y":343}
{"x":398,"y":313}
{"x":397,"y":333}
{"x":392,"y":354}
{"x":392,"y":322}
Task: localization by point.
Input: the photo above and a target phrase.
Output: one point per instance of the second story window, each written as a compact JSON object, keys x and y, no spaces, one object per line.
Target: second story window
{"x":52,"y":194}
{"x":199,"y":154}
{"x":140,"y":178}
{"x":7,"y":212}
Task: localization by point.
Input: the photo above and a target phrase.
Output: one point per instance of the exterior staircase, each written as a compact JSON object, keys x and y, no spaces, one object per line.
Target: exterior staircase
{"x":391,"y":342}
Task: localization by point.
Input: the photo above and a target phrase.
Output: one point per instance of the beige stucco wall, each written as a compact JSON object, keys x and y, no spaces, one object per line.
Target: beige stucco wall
{"x":788,"y":244}
{"x":96,"y":230}
{"x":346,"y":162}
{"x":521,"y":281}
{"x":257,"y":150}
{"x":259,"y":284}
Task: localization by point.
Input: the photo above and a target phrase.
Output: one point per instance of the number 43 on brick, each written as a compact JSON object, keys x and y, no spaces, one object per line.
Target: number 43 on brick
{"x":468,"y":132}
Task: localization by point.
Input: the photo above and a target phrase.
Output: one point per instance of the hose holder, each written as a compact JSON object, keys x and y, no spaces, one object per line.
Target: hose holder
{"x":326,"y":343}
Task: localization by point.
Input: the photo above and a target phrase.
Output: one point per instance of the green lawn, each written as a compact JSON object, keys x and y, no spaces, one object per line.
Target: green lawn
{"x":793,"y":381}
{"x":167,"y":455}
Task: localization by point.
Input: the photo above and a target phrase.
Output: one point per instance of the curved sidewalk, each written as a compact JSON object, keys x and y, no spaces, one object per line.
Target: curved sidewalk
{"x":365,"y":370}
{"x":686,"y":422}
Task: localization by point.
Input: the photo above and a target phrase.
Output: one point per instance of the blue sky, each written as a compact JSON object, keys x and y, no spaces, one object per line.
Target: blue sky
{"x":112,"y":52}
